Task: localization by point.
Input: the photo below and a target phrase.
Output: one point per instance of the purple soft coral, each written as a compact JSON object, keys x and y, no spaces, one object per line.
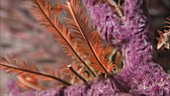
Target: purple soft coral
{"x":13,"y":88}
{"x":140,"y":73}
{"x":105,"y":20}
{"x":140,"y":76}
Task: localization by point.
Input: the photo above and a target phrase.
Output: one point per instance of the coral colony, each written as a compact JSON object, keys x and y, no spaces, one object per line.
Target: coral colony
{"x":122,"y":25}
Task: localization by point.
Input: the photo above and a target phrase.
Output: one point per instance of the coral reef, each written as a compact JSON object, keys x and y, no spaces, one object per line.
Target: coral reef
{"x":141,"y":75}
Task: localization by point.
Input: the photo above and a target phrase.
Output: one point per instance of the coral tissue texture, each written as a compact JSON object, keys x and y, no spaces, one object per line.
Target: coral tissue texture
{"x":141,"y":75}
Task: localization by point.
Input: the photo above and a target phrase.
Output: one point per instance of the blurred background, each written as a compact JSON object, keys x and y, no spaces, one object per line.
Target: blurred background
{"x":22,"y":37}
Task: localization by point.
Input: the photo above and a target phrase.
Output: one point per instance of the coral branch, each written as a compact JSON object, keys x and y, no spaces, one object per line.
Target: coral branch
{"x":86,"y":32}
{"x":43,"y":13}
{"x":17,"y":70}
